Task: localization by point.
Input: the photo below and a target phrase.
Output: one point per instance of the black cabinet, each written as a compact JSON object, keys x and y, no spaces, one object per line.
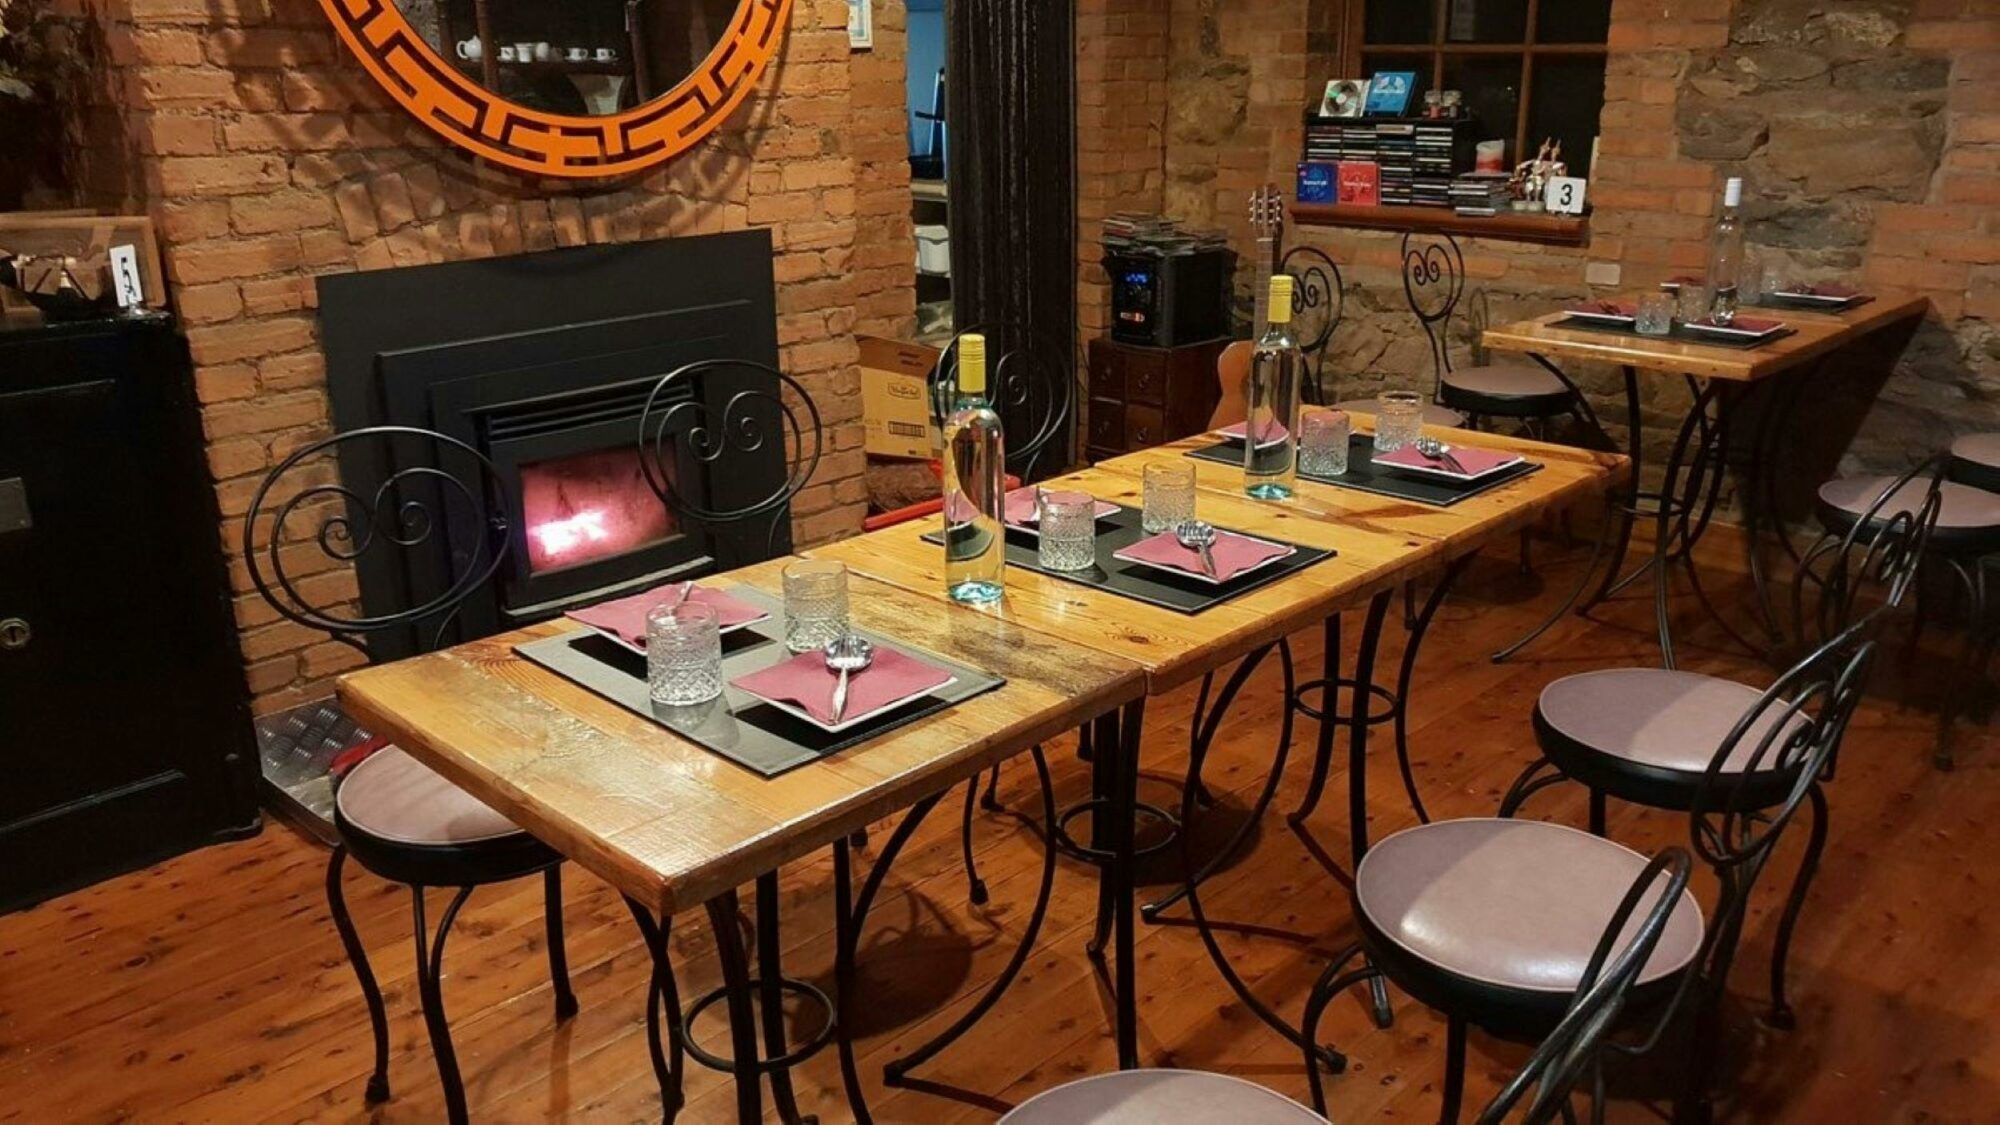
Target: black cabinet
{"x":125,"y":731}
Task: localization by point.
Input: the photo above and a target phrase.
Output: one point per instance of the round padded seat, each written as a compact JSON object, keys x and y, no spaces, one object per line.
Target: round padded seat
{"x":1508,"y":389}
{"x":1975,"y":460}
{"x":1648,"y":734}
{"x":1434,"y":415}
{"x":1968,"y":517}
{"x":1497,"y":919}
{"x":405,"y":822}
{"x":1160,"y":1097}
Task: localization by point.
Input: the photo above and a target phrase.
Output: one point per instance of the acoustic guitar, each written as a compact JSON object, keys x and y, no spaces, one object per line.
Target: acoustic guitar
{"x":1232,"y":367}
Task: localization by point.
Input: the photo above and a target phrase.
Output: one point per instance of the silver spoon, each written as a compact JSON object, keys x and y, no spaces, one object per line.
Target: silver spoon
{"x":1437,"y":450}
{"x":846,"y":655}
{"x":1197,"y":535}
{"x":686,"y":589}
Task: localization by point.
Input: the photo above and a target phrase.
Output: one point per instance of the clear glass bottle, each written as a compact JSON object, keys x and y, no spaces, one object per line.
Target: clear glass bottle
{"x":1725,"y":254}
{"x":1277,"y":373}
{"x":975,"y":535}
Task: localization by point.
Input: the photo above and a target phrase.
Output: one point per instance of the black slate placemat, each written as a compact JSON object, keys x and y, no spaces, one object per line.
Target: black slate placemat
{"x":1680,"y":332}
{"x":737,"y":725}
{"x":1152,"y":585}
{"x":1365,"y":476}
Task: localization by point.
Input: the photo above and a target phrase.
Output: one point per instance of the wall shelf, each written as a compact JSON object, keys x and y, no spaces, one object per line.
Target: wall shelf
{"x":1517,"y":226}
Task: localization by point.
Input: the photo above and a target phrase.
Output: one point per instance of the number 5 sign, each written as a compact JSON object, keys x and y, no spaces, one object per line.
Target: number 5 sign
{"x":1564,"y":195}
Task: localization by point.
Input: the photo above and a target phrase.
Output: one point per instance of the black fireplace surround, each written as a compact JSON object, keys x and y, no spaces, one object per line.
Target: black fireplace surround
{"x":543,"y":362}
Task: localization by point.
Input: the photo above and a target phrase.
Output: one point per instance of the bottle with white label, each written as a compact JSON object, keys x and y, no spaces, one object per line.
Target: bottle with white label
{"x":975,"y":535}
{"x":1725,"y":254}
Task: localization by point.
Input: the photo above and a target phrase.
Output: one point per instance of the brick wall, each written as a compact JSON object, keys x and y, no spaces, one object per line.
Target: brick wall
{"x":267,"y":156}
{"x":1121,"y":105}
{"x":1868,"y":131}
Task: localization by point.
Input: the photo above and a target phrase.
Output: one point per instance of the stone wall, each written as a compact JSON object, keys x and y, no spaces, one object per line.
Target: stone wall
{"x":1868,"y":131}
{"x":267,"y":157}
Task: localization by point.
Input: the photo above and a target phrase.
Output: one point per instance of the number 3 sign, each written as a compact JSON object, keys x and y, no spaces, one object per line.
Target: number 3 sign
{"x":1564,"y":195}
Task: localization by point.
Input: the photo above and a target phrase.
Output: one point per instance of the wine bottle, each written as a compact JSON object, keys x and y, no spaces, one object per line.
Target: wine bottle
{"x":975,"y":534}
{"x":1271,"y":434}
{"x":1725,"y":254}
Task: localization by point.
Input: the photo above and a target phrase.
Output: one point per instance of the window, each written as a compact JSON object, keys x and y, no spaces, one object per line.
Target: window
{"x":1529,"y":69}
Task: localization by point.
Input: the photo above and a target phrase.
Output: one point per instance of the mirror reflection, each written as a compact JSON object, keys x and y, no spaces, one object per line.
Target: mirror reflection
{"x":578,"y":57}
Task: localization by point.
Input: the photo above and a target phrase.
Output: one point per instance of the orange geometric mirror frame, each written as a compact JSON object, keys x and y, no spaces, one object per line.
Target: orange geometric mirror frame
{"x":552,"y":144}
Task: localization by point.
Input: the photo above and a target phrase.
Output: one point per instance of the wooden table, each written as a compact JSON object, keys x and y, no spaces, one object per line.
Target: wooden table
{"x":1718,"y":376}
{"x":673,"y":826}
{"x":1382,"y":544}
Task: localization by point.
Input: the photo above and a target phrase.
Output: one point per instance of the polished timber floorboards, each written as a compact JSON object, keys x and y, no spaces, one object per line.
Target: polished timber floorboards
{"x":212,"y":988}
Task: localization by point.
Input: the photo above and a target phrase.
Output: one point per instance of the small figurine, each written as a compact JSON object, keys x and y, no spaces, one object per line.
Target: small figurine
{"x":1531,"y":177}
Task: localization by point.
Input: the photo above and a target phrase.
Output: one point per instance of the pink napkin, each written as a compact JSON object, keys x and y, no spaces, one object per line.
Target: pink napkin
{"x":1474,"y":460}
{"x":1237,"y":430}
{"x":805,"y":681}
{"x":1608,"y":308}
{"x":1233,"y":553}
{"x":626,"y":617}
{"x":1755,"y":325}
{"x":1021,"y":511}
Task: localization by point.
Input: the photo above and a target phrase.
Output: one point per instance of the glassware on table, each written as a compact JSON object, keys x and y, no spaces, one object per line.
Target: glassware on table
{"x":683,"y":654}
{"x":1169,"y":496}
{"x":1399,"y":420}
{"x":973,"y":470}
{"x":815,"y":604}
{"x":1323,"y":438}
{"x":1697,"y":301}
{"x":1725,"y":254}
{"x":1776,"y":277}
{"x":1067,"y":525}
{"x":1656,"y":314}
{"x":1273,"y":392}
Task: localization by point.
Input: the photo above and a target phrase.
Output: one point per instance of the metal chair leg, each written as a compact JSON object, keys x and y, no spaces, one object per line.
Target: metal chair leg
{"x":552,"y":916}
{"x":1454,"y":1070}
{"x":357,"y":955}
{"x":1597,"y":812}
{"x":430,"y":993}
{"x":1781,"y":1016}
{"x":975,"y":886}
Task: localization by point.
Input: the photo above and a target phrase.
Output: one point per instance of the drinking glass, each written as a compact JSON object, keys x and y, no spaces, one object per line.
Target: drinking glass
{"x":1068,"y":528}
{"x":1169,"y":492}
{"x":1775,"y":278}
{"x":815,"y":604}
{"x":1656,"y":314}
{"x":1696,"y":302}
{"x":1323,"y":443}
{"x":683,"y":654}
{"x":1399,"y":420}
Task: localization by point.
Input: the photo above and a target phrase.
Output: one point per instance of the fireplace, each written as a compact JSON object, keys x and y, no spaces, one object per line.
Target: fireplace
{"x":543,"y":362}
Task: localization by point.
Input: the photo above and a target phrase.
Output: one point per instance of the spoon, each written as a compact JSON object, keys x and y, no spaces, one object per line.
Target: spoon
{"x":846,"y":655}
{"x":686,"y":589}
{"x":1197,"y":535}
{"x":1437,"y":450}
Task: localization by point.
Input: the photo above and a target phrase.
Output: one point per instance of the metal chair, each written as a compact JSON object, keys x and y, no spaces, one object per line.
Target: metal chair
{"x":398,"y":819}
{"x":1032,"y":386}
{"x":1160,"y":1097}
{"x":1319,"y":301}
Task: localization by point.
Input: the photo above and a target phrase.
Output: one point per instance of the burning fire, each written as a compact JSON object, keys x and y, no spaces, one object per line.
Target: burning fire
{"x":560,"y":537}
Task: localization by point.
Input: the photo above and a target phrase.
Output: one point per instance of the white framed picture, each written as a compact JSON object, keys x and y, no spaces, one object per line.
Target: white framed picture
{"x":861,"y":24}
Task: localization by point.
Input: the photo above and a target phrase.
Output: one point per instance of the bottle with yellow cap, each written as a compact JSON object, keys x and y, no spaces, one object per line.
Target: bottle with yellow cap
{"x":1277,"y":374}
{"x":975,"y":534}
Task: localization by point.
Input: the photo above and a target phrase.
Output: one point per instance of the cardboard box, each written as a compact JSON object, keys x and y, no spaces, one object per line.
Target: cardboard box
{"x":895,"y":401}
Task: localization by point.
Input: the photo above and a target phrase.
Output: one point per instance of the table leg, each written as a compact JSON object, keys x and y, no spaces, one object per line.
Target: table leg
{"x":1125,"y":815}
{"x":742,"y":1011}
{"x":1628,"y":512}
{"x":771,"y":997}
{"x":662,"y":992}
{"x":1358,"y":724}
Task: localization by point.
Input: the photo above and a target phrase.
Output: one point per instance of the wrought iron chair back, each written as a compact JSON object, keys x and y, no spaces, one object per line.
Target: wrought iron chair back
{"x":1434,"y":283}
{"x":437,"y":500}
{"x":1319,"y":300}
{"x":1031,"y":384}
{"x":1882,"y":551}
{"x":1577,"y":1043}
{"x":712,"y":410}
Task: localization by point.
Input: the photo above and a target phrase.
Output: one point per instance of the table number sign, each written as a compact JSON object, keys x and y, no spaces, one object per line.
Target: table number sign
{"x":1564,"y":195}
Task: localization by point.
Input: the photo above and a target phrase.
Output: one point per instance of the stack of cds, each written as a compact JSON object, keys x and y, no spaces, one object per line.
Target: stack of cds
{"x":1418,"y":156}
{"x":1131,"y":232}
{"x":1481,"y":193}
{"x":1396,"y":152}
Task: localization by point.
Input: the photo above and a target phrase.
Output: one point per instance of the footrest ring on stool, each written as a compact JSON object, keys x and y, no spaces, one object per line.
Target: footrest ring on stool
{"x":797,"y":1055}
{"x":1318,"y":712}
{"x":1067,"y":844}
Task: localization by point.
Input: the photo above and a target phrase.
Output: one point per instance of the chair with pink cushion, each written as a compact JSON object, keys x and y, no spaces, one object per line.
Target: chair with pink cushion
{"x":1975,"y":460}
{"x":400,"y":820}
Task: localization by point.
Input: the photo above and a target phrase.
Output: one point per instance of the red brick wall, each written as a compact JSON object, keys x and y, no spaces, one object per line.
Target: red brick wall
{"x":267,"y":156}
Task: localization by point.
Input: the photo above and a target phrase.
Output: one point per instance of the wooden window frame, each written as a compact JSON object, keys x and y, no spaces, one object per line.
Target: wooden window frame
{"x":1439,"y":49}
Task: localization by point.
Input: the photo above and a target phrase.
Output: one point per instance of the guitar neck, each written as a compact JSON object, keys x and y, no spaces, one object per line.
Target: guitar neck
{"x":1267,"y":266}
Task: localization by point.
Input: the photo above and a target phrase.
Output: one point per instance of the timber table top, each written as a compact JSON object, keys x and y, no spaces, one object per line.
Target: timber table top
{"x":671,"y":824}
{"x":1817,"y":333}
{"x":1381,"y":542}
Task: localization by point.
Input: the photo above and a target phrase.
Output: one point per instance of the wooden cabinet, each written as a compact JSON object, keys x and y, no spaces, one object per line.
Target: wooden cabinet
{"x":124,"y":717}
{"x":1141,"y":396}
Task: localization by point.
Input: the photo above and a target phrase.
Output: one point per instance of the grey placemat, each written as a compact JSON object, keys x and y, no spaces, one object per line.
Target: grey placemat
{"x":1680,"y":332}
{"x":737,"y":725}
{"x":1365,"y":476}
{"x":1152,"y":585}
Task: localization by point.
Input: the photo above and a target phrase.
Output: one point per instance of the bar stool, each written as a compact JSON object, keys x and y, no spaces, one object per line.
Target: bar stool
{"x":1975,"y":460}
{"x":438,"y":502}
{"x":1160,"y":1097}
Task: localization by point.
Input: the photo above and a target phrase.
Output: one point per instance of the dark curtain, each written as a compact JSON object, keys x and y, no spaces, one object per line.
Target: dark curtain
{"x":1010,"y":91}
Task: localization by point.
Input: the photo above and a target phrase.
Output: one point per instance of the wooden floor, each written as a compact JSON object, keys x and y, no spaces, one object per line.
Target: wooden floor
{"x":213,"y":988}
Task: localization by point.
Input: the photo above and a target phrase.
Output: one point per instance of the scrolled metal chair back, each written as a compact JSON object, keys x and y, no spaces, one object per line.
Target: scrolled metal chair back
{"x":1319,"y":300}
{"x":435,"y":505}
{"x":707,"y":412}
{"x":1578,"y":1040}
{"x":1031,"y":384}
{"x":1433,"y":283}
{"x":1882,"y":551}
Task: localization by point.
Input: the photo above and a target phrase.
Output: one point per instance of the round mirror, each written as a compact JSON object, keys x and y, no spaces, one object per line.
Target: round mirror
{"x":580,"y":88}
